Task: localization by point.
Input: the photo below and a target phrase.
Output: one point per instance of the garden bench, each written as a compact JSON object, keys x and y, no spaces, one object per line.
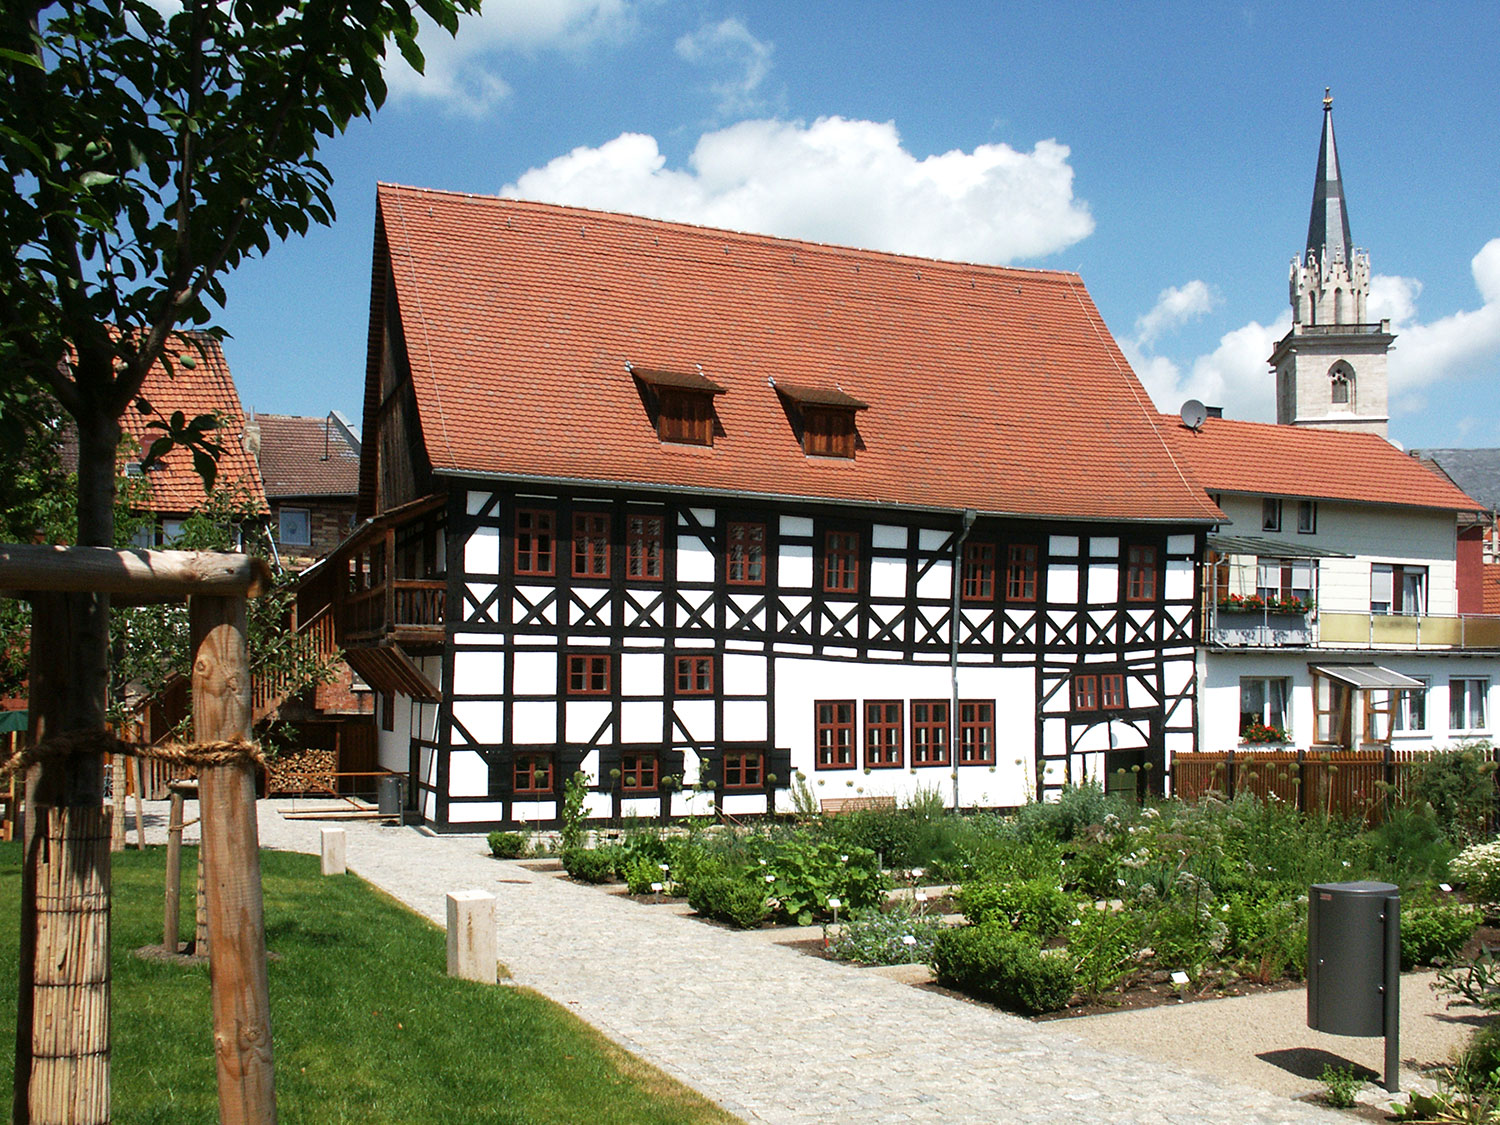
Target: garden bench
{"x":833,"y":805}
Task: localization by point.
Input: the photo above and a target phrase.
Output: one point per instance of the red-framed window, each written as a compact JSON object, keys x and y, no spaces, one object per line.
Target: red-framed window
{"x":535,"y":541}
{"x":1140,"y":574}
{"x":643,"y":552}
{"x":1112,"y":691}
{"x":978,"y":580}
{"x":976,"y":732}
{"x":883,"y":735}
{"x":834,"y":730}
{"x":841,"y":562}
{"x":590,"y":545}
{"x":639,"y":773}
{"x":1020,"y":572}
{"x":695,"y":675}
{"x":745,"y":554}
{"x":929,"y":732}
{"x":588,"y":673}
{"x":1086,"y":693}
{"x":744,"y":769}
{"x":532,"y":774}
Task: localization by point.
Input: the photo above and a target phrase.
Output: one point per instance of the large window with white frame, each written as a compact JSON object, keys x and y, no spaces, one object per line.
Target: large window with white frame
{"x":1398,"y":588}
{"x":1467,"y":710}
{"x":1263,"y":708}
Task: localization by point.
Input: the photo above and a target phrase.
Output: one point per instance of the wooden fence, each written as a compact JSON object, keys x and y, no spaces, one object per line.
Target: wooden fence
{"x":1346,"y":782}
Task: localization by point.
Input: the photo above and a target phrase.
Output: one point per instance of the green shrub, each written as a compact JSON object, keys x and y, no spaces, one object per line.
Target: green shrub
{"x":1187,"y":932}
{"x":1035,"y":906}
{"x":1001,"y":965}
{"x":802,"y":873}
{"x":1435,"y":933}
{"x":1340,"y":1084}
{"x":1077,"y":807}
{"x":575,"y":796}
{"x":1267,"y":935}
{"x":896,"y":936}
{"x":1480,"y":1060}
{"x":640,"y":874}
{"x":1409,"y":848}
{"x":1460,"y":786}
{"x":507,"y":845}
{"x":737,"y":899}
{"x":1477,"y":867}
{"x":1103,"y":946}
{"x":589,"y":865}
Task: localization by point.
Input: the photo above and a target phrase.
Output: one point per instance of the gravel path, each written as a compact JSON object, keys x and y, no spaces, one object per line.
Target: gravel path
{"x":769,"y":1033}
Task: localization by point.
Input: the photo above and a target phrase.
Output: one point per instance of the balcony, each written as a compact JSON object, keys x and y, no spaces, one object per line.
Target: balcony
{"x":1262,"y":628}
{"x":1398,"y":631}
{"x":407,"y":610}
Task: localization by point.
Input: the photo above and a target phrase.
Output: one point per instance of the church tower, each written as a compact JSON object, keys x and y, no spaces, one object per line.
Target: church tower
{"x":1331,"y":367}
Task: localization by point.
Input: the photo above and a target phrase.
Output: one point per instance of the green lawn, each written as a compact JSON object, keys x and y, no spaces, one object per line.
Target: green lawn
{"x":368,"y":1028}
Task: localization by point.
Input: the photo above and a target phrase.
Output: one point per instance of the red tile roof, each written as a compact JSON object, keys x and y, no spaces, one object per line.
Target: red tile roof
{"x":205,"y":388}
{"x":989,"y":388}
{"x":305,"y":457}
{"x":1276,"y":460}
{"x":1491,"y":589}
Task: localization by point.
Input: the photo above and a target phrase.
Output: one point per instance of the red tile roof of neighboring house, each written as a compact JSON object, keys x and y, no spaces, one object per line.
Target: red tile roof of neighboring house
{"x":205,"y":388}
{"x":1491,"y":588}
{"x":305,"y":457}
{"x":1276,"y":460}
{"x":990,"y":388}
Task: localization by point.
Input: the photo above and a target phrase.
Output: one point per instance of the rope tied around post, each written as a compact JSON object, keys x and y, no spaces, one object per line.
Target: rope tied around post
{"x":220,"y":753}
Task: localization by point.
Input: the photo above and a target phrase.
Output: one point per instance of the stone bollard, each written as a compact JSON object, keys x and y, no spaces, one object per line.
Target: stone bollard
{"x":334,"y":850}
{"x":472,"y":953}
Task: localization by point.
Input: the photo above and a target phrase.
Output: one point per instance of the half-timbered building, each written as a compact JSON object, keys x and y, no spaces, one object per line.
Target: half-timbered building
{"x":714,"y":517}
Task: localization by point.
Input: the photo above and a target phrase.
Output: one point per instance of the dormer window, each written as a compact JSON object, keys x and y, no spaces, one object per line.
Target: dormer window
{"x":822,"y":418}
{"x":681,"y":404}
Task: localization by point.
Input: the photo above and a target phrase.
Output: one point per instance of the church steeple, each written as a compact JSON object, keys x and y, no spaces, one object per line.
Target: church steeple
{"x":1328,"y":229}
{"x":1330,"y":368}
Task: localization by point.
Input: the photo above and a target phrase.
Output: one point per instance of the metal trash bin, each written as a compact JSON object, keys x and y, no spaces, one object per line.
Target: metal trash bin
{"x":1354,"y":963}
{"x":391,"y":796}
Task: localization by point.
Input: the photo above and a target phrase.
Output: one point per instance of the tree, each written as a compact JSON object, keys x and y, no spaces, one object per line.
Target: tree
{"x":148,"y":154}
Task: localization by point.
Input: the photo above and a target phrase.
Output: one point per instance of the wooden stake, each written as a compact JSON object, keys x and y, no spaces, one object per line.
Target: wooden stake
{"x":140,"y":812}
{"x":231,"y":865}
{"x":172,"y":907}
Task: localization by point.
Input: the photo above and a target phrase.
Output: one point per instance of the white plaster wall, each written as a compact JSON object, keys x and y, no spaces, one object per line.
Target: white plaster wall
{"x":695,"y":562}
{"x":482,"y":551}
{"x":534,"y":722}
{"x":478,"y":673}
{"x":535,"y":673}
{"x":468,"y":774}
{"x":483,"y":718}
{"x":643,"y":673}
{"x":801,"y":683}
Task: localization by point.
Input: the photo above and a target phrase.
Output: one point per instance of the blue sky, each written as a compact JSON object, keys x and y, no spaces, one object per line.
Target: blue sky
{"x":1164,"y":151}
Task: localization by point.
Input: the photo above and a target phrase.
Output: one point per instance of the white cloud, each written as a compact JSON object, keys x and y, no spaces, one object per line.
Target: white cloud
{"x":1236,"y":376}
{"x":463,"y":71}
{"x":834,"y":180}
{"x":1175,"y":307}
{"x":729,"y":46}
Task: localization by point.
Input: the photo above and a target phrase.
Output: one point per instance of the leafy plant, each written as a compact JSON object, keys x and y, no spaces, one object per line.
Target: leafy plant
{"x":1430,"y":934}
{"x":1476,"y":981}
{"x":641,"y":874}
{"x":507,"y":845}
{"x":1460,"y":786}
{"x":803,"y":873}
{"x":1340,"y":1084}
{"x":894,"y":936}
{"x":1267,"y":935}
{"x":575,"y":794}
{"x":1103,"y":946}
{"x":998,"y":964}
{"x":1036,"y":906}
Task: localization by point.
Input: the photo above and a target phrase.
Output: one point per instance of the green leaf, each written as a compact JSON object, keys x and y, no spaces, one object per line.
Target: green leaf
{"x":95,"y":179}
{"x":206,"y":467}
{"x":21,"y":58}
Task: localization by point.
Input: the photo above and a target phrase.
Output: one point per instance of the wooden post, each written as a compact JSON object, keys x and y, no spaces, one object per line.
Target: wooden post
{"x":231,"y":867}
{"x":140,"y":812}
{"x":62,"y":1008}
{"x":117,"y":804}
{"x":200,"y":898}
{"x":172,"y":908}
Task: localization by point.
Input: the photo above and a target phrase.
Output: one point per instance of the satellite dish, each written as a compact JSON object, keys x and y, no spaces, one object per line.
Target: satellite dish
{"x":1194,"y":414}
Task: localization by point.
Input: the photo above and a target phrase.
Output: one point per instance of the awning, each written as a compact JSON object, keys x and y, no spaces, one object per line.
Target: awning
{"x":820,"y":396}
{"x":12,"y":722}
{"x":682,"y":380}
{"x":1367,"y":677}
{"x":1270,"y":548}
{"x":388,"y":669}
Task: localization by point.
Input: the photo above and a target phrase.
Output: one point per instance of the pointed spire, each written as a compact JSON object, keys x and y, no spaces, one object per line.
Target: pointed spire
{"x":1328,"y":229}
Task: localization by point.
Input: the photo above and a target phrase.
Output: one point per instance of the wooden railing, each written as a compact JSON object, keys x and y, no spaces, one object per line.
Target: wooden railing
{"x":317,"y":638}
{"x":394,"y":606}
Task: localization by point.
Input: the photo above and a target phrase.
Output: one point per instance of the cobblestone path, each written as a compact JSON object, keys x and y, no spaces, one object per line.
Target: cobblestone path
{"x":769,"y":1033}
